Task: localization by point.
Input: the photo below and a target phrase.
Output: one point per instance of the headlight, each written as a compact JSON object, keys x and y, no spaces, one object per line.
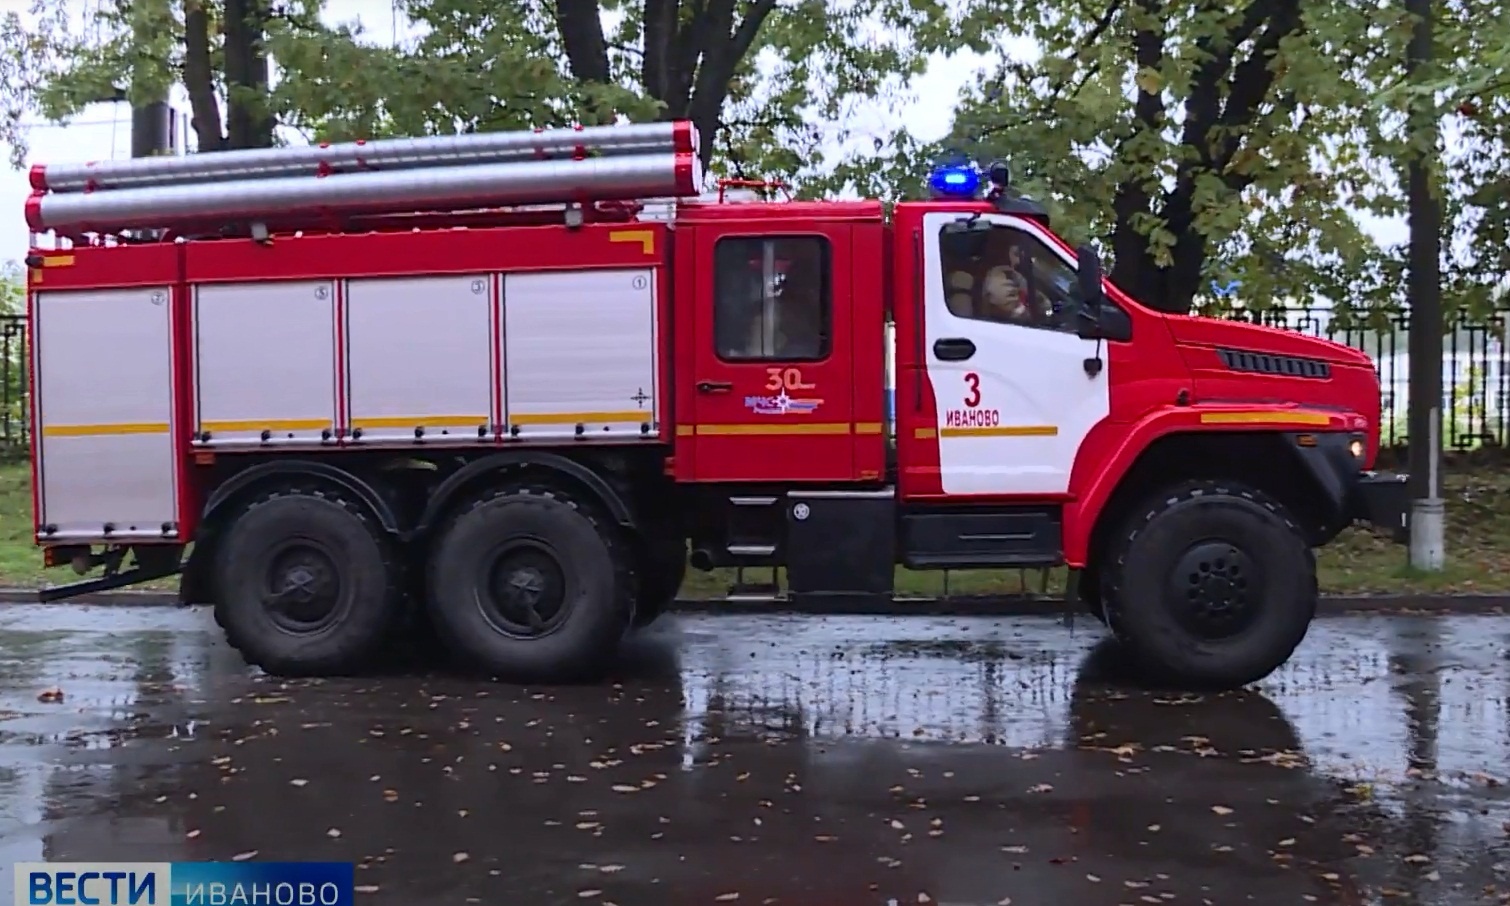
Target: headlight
{"x":1357,"y":448}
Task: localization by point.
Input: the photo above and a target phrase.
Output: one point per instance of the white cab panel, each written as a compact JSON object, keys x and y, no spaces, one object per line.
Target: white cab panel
{"x":419,"y":357}
{"x":1012,"y":417}
{"x":265,"y":357}
{"x":105,"y":411}
{"x":581,"y":350}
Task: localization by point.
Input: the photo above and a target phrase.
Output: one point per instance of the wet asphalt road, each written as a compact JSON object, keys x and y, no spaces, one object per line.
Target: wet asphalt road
{"x":791,"y":760}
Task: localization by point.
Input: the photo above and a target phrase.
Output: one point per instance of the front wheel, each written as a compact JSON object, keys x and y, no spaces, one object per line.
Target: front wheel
{"x":532,"y":585}
{"x":1211,"y":584}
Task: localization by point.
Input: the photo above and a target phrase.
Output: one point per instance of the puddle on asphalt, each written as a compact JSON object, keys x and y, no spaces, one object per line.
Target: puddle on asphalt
{"x":782,"y":759}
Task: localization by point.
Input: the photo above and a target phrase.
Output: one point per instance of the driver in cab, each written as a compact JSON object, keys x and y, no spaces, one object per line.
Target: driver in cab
{"x":1003,"y":292}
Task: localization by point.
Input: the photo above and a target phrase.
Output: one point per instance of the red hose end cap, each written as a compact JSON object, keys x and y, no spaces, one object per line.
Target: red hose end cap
{"x":38,"y":177}
{"x":683,"y":136}
{"x":34,"y":213}
{"x":687,"y":175}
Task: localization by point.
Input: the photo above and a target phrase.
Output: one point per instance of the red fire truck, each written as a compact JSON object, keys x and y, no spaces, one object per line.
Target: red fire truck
{"x":511,"y":384}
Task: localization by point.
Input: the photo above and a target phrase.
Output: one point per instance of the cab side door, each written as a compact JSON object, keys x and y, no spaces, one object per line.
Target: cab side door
{"x":1014,"y":398}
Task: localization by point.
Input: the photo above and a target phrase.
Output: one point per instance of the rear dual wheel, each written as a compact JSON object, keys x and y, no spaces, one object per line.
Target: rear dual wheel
{"x":531,"y":584}
{"x":307,"y":584}
{"x":1210,"y":584}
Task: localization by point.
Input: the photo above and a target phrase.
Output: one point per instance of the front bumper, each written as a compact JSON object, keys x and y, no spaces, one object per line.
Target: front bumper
{"x":1379,"y":499}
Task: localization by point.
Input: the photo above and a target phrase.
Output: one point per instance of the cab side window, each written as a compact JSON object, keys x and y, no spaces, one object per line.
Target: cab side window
{"x":1015,"y":279}
{"x":772,"y":299}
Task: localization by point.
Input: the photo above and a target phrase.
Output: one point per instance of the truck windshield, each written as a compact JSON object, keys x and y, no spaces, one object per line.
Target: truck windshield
{"x":1016,"y":279}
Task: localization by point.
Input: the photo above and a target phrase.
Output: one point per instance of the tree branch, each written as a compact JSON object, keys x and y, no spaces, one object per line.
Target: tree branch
{"x":1046,"y":101}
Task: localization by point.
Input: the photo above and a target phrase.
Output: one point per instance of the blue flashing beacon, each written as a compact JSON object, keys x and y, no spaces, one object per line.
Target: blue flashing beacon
{"x":958,"y":181}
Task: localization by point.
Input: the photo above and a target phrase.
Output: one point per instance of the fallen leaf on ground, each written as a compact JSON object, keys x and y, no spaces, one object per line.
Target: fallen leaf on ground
{"x":1221,"y":810}
{"x":242,"y":857}
{"x":50,"y":696}
{"x":333,"y":833}
{"x":298,"y":781}
{"x":459,"y":858}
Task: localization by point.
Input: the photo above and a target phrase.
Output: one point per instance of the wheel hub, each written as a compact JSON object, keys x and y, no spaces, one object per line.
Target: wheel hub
{"x":1214,"y":589}
{"x":303,"y":587}
{"x":525,"y":592}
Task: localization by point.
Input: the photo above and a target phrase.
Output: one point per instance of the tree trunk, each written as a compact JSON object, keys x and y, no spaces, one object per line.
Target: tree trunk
{"x":249,"y":124}
{"x":199,"y":78}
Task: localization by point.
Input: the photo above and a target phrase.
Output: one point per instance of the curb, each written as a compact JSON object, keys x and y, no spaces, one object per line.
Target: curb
{"x":962,"y":606}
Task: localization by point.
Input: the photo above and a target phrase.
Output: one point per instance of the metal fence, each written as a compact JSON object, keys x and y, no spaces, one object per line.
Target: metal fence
{"x":1475,"y":397}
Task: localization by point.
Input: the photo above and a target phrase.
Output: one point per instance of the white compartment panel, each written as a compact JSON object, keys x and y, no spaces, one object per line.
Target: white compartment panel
{"x":580,"y":349}
{"x":265,"y":356}
{"x":420,"y":356}
{"x":105,"y":403}
{"x":125,"y":481}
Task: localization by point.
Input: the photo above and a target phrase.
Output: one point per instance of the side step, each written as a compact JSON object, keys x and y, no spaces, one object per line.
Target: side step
{"x":1006,"y":539}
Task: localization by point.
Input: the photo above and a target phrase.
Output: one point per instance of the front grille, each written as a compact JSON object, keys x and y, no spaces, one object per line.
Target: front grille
{"x":1264,"y":363}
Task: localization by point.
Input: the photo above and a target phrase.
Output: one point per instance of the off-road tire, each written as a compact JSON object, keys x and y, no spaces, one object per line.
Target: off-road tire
{"x":371,"y":600}
{"x":662,"y":571}
{"x":1138,"y":583}
{"x":597,"y":570}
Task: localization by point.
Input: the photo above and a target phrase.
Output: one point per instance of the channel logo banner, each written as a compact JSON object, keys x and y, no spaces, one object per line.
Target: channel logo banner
{"x":184,"y":884}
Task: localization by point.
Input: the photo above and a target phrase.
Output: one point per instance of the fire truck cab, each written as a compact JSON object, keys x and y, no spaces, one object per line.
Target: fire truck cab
{"x":480,"y":384}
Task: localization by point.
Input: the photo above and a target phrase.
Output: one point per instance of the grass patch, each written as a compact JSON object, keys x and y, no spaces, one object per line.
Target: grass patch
{"x":1478,"y":546}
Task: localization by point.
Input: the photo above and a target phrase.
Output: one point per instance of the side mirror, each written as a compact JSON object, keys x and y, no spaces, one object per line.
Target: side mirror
{"x":1091,"y":292}
{"x":1098,"y":320}
{"x":965,"y":238}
